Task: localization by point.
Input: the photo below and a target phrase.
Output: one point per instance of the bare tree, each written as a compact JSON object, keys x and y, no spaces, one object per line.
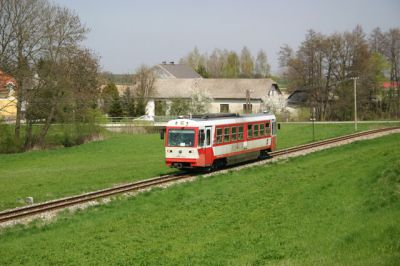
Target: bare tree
{"x":215,"y":64}
{"x":285,"y":55}
{"x":377,"y":41}
{"x":194,"y":59}
{"x":39,"y":46}
{"x":144,"y":88}
{"x":21,"y":35}
{"x":262,"y":68}
{"x":200,"y":100}
{"x":392,"y":53}
{"x":246,"y":63}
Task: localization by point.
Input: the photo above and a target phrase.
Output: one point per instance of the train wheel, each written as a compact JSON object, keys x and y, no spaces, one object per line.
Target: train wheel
{"x":264,"y":155}
{"x":218,"y":164}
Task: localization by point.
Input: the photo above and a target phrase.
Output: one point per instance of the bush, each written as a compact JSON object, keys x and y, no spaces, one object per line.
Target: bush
{"x":8,"y":144}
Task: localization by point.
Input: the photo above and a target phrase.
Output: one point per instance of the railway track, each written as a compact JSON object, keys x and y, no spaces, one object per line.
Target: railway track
{"x":329,"y":141}
{"x":79,"y":199}
{"x":14,"y":214}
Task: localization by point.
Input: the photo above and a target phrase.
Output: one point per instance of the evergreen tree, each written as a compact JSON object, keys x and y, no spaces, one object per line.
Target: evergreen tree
{"x":128,"y":103}
{"x":108,"y":94}
{"x":115,"y":108}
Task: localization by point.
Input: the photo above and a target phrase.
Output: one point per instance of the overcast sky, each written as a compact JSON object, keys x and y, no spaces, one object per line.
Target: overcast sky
{"x":128,"y":33}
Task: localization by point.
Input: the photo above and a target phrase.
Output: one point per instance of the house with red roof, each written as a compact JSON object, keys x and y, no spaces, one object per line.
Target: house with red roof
{"x":8,"y":101}
{"x":390,"y":85}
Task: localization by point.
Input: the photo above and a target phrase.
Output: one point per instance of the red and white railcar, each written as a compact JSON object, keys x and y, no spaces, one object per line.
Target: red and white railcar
{"x":213,"y":141}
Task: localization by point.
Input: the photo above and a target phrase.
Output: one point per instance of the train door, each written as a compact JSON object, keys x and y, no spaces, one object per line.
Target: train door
{"x":273,"y":134}
{"x":208,"y":146}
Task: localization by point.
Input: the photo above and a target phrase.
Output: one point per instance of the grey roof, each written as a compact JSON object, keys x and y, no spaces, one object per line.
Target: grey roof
{"x":298,"y":97}
{"x":175,"y":71}
{"x":216,"y":88}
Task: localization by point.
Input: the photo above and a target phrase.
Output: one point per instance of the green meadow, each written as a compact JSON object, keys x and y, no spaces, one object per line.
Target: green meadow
{"x":334,"y":207}
{"x":121,"y":158}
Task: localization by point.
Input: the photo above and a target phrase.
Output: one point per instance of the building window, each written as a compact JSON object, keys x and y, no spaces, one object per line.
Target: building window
{"x":247,"y":108}
{"x":224,"y":108}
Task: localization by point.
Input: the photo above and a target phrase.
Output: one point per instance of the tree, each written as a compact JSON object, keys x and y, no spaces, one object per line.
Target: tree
{"x":377,"y":41}
{"x":246,"y":63}
{"x":262,"y":68}
{"x":108,"y":94}
{"x":39,"y":46}
{"x":202,"y":71}
{"x":215,"y":64}
{"x":144,"y":88}
{"x":200,"y":101}
{"x":231,"y":68}
{"x":179,"y":106}
{"x":128,"y":103}
{"x":392,"y":53}
{"x":194,"y":59}
{"x":66,"y":92}
{"x":21,"y":34}
{"x":285,"y":55}
{"x":323,"y":66}
{"x":115,"y":107}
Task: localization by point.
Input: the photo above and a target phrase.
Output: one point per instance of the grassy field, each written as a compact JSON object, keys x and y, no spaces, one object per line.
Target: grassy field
{"x":51,"y":174}
{"x":54,"y":173}
{"x":292,"y":134}
{"x":338,"y":206}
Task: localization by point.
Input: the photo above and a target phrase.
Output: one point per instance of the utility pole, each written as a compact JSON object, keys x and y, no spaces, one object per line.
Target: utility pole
{"x":313,"y":123}
{"x":247,"y":101}
{"x":355,"y":101}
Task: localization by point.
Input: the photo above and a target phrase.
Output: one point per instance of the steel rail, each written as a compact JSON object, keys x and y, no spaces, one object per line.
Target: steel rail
{"x":30,"y":210}
{"x":330,"y":141}
{"x":75,"y":200}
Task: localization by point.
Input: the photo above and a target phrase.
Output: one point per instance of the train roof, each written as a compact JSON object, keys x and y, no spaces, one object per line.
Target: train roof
{"x":219,"y":119}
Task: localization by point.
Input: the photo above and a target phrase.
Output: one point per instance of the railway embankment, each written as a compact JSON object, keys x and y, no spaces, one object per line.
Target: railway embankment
{"x":336,"y":206}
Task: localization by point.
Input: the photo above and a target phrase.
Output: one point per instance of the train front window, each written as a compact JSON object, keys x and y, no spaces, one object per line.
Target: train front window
{"x":180,"y":138}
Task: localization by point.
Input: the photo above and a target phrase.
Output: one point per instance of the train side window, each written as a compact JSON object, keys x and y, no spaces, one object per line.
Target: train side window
{"x":256,"y":130}
{"x":262,"y":129}
{"x":240,"y":133}
{"x":219,"y":135}
{"x":234,"y":131}
{"x":226,"y":134}
{"x":249,"y":131}
{"x":208,"y":133}
{"x":267,"y":128}
{"x":201,"y":138}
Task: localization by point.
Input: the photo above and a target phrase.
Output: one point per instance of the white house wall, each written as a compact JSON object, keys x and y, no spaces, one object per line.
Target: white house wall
{"x":150,"y":108}
{"x":235,"y":106}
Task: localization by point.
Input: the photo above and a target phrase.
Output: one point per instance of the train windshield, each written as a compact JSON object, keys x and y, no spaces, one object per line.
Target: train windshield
{"x":180,"y":138}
